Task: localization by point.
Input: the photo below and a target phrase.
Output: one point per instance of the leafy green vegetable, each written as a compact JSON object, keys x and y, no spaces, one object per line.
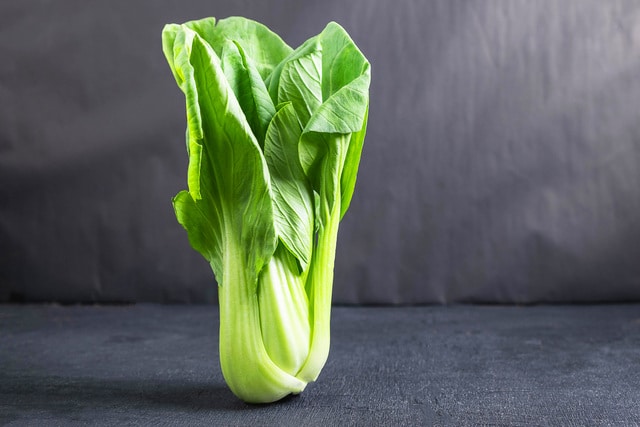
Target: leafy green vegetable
{"x":274,"y":137}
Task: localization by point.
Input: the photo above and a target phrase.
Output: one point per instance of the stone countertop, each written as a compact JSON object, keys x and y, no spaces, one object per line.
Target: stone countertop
{"x":431,"y":365}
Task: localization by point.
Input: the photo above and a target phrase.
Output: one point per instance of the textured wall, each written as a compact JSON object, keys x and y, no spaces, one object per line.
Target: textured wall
{"x":502,"y":161}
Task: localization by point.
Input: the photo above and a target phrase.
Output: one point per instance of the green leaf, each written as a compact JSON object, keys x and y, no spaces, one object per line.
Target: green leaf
{"x":350,"y":168}
{"x":330,"y":148}
{"x":169,"y":34}
{"x":248,"y":87}
{"x":342,"y":61}
{"x":301,"y":81}
{"x":293,"y":197}
{"x":201,"y":227}
{"x":228,"y":176}
{"x":322,"y":157}
{"x":262,"y":45}
{"x":344,"y":110}
{"x":336,"y":124}
{"x":273,"y":80}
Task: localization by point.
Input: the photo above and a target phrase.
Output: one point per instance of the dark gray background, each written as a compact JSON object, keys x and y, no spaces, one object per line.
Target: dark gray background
{"x":502,"y":162}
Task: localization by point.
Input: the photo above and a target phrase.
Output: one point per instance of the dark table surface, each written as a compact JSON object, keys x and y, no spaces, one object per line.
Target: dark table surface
{"x":458,"y":365}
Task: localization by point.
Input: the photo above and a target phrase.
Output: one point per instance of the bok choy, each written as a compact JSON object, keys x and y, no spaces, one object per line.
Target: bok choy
{"x":274,"y":137}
